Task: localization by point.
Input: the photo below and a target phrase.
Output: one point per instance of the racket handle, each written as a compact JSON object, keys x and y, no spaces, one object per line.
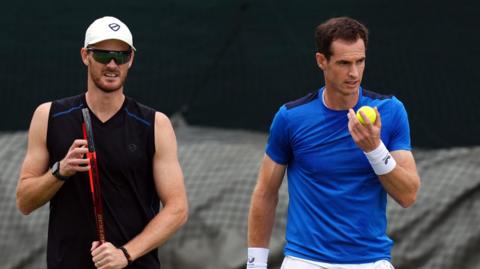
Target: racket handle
{"x":100,"y":228}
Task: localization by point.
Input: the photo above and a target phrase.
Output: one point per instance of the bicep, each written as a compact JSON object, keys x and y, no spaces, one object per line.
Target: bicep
{"x":270,"y":176}
{"x":400,"y":134}
{"x":167,"y":172}
{"x":37,"y":157}
{"x":278,"y":146}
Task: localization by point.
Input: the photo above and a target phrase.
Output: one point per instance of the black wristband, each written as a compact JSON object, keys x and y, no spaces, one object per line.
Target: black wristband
{"x":127,"y":255}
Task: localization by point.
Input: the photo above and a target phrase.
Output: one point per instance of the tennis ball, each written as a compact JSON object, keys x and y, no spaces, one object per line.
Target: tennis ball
{"x":369,"y":112}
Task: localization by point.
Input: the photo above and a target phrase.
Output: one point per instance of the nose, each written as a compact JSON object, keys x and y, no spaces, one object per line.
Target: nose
{"x":353,"y":72}
{"x":112,"y":63}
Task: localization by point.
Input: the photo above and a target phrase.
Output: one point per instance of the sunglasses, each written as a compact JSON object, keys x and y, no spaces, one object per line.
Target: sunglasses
{"x":105,"y":56}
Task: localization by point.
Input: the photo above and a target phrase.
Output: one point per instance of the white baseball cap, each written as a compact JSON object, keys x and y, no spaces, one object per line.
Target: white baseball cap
{"x":106,"y":28}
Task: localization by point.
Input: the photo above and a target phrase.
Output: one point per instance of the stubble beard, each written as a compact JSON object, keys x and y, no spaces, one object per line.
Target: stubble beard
{"x":99,"y":85}
{"x":107,"y":90}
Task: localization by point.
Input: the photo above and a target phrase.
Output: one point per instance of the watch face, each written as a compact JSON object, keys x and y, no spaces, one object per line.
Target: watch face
{"x":56,"y":171}
{"x":55,"y":167}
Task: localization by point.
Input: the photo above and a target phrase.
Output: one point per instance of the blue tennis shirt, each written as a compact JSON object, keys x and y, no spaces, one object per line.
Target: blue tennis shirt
{"x":337,"y":206}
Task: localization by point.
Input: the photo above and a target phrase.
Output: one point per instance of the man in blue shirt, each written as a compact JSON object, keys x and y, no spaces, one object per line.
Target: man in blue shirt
{"x":339,"y":170}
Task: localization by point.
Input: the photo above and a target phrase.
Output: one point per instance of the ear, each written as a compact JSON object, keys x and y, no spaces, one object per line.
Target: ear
{"x":131,"y":59}
{"x":321,"y":60}
{"x":84,"y":55}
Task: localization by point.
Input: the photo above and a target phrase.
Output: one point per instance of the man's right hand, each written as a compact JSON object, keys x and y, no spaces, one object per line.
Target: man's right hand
{"x":74,"y":161}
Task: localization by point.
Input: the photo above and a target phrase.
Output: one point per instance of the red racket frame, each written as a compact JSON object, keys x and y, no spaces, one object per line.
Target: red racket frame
{"x":94,"y":175}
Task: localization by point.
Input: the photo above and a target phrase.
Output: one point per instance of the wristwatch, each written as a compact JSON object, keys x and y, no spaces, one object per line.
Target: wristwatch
{"x":56,"y":171}
{"x":127,"y":255}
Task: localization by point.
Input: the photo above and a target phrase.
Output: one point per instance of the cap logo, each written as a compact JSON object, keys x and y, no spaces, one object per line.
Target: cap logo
{"x":115,"y":27}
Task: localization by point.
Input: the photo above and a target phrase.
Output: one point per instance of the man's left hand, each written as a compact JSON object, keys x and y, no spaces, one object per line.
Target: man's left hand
{"x":107,"y":256}
{"x":367,"y":137}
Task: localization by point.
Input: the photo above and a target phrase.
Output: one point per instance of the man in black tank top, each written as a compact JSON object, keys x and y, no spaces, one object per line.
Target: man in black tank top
{"x":137,"y":161}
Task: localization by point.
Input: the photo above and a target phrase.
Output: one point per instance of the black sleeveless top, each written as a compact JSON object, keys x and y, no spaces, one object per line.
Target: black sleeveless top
{"x":125,"y":147}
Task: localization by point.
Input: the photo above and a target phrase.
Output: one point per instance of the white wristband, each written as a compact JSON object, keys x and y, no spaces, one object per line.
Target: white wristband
{"x":381,"y":160}
{"x":257,"y":258}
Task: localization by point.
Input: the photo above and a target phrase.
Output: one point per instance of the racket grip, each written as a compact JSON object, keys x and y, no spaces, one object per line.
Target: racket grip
{"x":100,"y":228}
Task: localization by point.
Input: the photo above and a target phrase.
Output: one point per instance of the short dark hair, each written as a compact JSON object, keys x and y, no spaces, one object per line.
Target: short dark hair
{"x":343,"y":28}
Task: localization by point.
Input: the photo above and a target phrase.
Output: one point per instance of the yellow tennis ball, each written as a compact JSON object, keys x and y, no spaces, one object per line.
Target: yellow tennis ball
{"x":369,"y":112}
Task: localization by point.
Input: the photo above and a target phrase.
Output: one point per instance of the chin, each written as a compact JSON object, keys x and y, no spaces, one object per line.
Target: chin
{"x":351,"y":88}
{"x":109,"y":85}
{"x":109,"y":89}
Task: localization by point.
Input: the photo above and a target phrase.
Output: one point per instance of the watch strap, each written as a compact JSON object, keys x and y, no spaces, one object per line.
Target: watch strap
{"x":56,"y":172}
{"x":127,"y":255}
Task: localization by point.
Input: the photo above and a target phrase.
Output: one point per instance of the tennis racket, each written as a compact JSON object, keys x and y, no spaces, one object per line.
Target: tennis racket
{"x":93,"y":175}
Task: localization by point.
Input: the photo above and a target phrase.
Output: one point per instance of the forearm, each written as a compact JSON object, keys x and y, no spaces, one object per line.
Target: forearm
{"x":397,"y":172}
{"x":261,"y":219}
{"x":157,"y":231}
{"x":33,"y":192}
{"x":402,"y":185}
